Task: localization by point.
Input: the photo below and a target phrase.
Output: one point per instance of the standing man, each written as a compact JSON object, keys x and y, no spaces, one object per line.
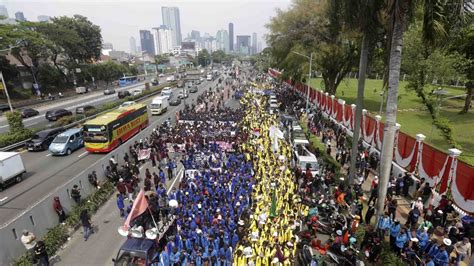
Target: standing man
{"x":41,"y":255}
{"x":28,"y":240}
{"x":58,"y":208}
{"x":86,"y":224}
{"x":76,"y":194}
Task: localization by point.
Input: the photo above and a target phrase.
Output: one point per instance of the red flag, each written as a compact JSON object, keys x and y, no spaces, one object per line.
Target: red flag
{"x":139,"y":206}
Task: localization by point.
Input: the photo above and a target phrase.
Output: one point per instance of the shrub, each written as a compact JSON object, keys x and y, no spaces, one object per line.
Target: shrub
{"x":65,"y":120}
{"x":10,"y":138}
{"x":15,"y":121}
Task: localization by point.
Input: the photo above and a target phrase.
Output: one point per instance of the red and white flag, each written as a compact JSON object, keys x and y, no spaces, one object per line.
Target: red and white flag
{"x":139,"y":206}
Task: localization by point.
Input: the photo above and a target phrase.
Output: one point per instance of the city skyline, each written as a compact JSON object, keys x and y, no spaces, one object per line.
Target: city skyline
{"x":247,"y":16}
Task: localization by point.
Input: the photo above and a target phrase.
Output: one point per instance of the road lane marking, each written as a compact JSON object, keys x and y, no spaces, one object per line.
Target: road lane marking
{"x":3,"y":199}
{"x":174,"y":181}
{"x":49,"y":154}
{"x":82,"y":154}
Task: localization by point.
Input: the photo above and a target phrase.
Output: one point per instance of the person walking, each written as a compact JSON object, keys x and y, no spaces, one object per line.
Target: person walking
{"x":28,"y":240}
{"x":121,"y":205}
{"x":76,"y":194}
{"x":369,"y":214}
{"x":41,"y":254}
{"x":86,"y":224}
{"x":463,"y":250}
{"x":58,"y":208}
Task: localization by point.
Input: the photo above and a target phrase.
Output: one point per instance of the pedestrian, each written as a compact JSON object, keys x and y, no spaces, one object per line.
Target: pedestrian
{"x":170,"y":170}
{"x":58,"y":208}
{"x":400,"y":241}
{"x":408,"y":182}
{"x":383,"y":225}
{"x":28,"y":240}
{"x":122,"y":189}
{"x":86,"y":224}
{"x":76,"y":194}
{"x":130,"y":189}
{"x":392,"y":208}
{"x":41,"y":254}
{"x":373,"y":193}
{"x":463,"y":250}
{"x":394,"y":231}
{"x":369,"y":214}
{"x":92,"y":177}
{"x":120,"y":205}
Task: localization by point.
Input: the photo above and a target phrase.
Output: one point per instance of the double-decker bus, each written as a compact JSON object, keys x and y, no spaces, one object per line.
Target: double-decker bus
{"x":104,"y":133}
{"x":124,"y":81}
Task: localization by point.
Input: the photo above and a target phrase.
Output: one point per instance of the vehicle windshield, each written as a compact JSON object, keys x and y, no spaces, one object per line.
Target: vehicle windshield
{"x":95,"y":133}
{"x":155,"y":105}
{"x":60,"y":139}
{"x":313,"y":165}
{"x":39,"y":135}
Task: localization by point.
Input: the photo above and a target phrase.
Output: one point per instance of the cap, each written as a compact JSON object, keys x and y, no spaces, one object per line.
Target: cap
{"x":440,"y":211}
{"x":447,"y":241}
{"x":414,"y":240}
{"x":339,"y":232}
{"x":419,"y":198}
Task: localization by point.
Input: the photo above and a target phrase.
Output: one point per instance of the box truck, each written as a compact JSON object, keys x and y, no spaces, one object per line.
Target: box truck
{"x":11,"y":168}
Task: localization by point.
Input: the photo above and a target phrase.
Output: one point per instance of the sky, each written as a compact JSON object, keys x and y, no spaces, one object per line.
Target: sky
{"x":120,"y":19}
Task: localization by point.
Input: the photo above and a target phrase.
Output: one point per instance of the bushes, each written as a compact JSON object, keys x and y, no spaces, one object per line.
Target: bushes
{"x":65,"y":120}
{"x":59,"y":234}
{"x":15,"y":121}
{"x":17,"y":130}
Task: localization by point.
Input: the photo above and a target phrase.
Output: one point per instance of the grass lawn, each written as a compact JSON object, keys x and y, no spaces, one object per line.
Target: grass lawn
{"x":416,"y":121}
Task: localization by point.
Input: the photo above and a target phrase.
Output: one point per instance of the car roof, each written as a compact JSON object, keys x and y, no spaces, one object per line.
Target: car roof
{"x":137,"y":245}
{"x":70,"y":132}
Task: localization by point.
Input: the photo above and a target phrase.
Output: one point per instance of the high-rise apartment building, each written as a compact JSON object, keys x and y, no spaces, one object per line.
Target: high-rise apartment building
{"x":172,"y":21}
{"x":133,"y":46}
{"x":243,"y":44}
{"x":231,"y":36}
{"x":195,"y":35}
{"x":222,"y":40}
{"x":3,"y":11}
{"x":146,"y":41}
{"x":162,"y":39}
{"x":254,"y":43}
{"x":19,"y":16}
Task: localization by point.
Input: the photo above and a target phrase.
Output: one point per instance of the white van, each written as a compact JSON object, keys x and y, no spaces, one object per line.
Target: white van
{"x":137,"y":92}
{"x":159,"y":105}
{"x":166,"y":91}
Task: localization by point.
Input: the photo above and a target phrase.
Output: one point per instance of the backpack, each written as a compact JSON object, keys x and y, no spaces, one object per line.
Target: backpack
{"x":415,"y":215}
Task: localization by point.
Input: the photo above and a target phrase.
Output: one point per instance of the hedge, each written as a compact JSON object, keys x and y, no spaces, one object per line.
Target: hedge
{"x":59,"y":234}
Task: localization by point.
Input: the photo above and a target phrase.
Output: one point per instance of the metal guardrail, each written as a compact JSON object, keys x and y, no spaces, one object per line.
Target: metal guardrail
{"x":75,"y":123}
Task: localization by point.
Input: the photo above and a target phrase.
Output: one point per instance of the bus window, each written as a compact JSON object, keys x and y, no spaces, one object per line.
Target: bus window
{"x":95,"y":134}
{"x":124,"y":81}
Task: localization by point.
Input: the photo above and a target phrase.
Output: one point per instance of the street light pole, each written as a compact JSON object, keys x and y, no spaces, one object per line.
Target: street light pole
{"x":6,"y":92}
{"x":309,"y":76}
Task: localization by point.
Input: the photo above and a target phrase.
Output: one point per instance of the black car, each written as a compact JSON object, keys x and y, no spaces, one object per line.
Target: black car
{"x":83,"y":110}
{"x":29,"y":112}
{"x":123,"y":94}
{"x":57,"y":114}
{"x":193,"y":89}
{"x":42,"y":139}
{"x":175,"y":102}
{"x":4,"y":107}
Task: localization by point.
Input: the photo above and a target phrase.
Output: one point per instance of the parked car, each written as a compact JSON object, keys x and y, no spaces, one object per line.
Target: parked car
{"x":123,"y":94}
{"x":175,"y":102}
{"x":193,"y":89}
{"x":11,"y":167}
{"x":67,"y":142}
{"x":109,"y":91}
{"x":29,"y":112}
{"x":57,"y":114}
{"x":83,"y":110}
{"x":42,"y":139}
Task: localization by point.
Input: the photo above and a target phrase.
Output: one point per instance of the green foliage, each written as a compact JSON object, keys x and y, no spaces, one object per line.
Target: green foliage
{"x":10,"y":138}
{"x":203,"y":58}
{"x":65,"y":120}
{"x":58,"y":235}
{"x":218,"y":56}
{"x":15,"y":121}
{"x":162,"y":59}
{"x":389,"y":257}
{"x":107,"y":71}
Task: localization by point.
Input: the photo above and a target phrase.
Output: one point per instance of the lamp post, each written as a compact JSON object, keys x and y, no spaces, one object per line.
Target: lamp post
{"x":18,"y":44}
{"x":309,"y":76}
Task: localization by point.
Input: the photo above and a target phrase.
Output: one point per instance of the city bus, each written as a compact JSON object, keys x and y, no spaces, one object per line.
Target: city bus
{"x":106,"y":132}
{"x":124,"y":81}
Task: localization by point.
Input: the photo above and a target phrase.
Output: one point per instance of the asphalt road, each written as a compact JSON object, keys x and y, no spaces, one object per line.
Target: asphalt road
{"x":95,"y":98}
{"x":104,"y":244}
{"x":46,"y":172}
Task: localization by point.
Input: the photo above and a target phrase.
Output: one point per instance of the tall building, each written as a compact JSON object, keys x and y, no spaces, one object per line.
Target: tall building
{"x":172,"y":21}
{"x":254,"y":43}
{"x":146,"y":41}
{"x":3,"y":11}
{"x":162,"y":39}
{"x":231,"y":36}
{"x":210,"y":44}
{"x":195,"y":35}
{"x":222,"y":40}
{"x":259,"y":47}
{"x":19,"y":16}
{"x":243,"y":44}
{"x":133,"y":46}
{"x":44,"y":18}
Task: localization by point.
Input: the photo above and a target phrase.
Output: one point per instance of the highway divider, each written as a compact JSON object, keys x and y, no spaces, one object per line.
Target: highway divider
{"x":101,"y":110}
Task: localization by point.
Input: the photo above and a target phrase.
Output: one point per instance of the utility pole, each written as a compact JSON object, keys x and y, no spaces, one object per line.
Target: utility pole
{"x":6,"y":91}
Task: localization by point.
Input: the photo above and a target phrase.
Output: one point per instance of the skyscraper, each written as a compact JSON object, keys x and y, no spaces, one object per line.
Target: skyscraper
{"x":133,"y":46}
{"x":231,"y":36}
{"x":162,"y":39}
{"x":195,"y":35}
{"x":259,"y":47}
{"x":19,"y":16}
{"x":243,"y":44}
{"x":44,"y":18}
{"x":146,"y":41}
{"x":172,"y":21}
{"x":3,"y":11}
{"x":222,"y":40}
{"x":254,"y":43}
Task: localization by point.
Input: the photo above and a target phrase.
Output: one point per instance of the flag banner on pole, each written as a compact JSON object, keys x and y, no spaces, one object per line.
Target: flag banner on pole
{"x":144,"y":154}
{"x":140,"y":205}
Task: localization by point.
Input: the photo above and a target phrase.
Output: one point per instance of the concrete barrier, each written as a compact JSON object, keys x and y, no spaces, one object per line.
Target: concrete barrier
{"x":40,"y":217}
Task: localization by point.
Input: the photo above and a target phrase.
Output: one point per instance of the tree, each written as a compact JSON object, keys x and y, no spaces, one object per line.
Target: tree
{"x":108,"y":71}
{"x":203,"y":58}
{"x":218,"y":56}
{"x":162,"y":59}
{"x":435,"y":14}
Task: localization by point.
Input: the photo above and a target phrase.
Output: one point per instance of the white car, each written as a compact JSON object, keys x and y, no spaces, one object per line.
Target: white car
{"x":183,"y":95}
{"x":128,"y":103}
{"x":161,"y":75}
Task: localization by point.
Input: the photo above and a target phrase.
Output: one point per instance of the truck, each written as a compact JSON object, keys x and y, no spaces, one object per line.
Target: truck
{"x":159,"y":105}
{"x":170,"y":78}
{"x":81,"y":90}
{"x":11,"y":168}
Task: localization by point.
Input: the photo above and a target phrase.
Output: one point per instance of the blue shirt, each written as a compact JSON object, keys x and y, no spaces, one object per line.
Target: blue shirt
{"x":395,"y":229}
{"x":441,"y":258}
{"x":384,"y":222}
{"x":401,"y":240}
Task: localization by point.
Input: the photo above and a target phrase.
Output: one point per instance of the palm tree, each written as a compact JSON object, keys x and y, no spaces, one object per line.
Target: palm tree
{"x":361,"y":16}
{"x":437,"y":15}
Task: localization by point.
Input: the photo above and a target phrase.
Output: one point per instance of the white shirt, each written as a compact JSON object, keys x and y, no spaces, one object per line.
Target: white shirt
{"x":28,"y":241}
